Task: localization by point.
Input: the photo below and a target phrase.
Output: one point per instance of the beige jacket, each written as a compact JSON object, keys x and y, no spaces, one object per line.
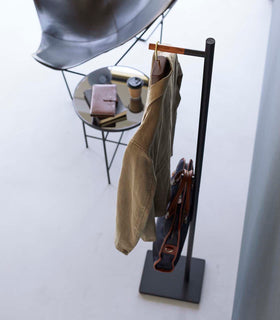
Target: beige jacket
{"x":144,"y":184}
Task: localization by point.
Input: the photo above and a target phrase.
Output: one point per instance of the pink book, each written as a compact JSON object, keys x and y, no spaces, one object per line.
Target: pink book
{"x":103,"y":100}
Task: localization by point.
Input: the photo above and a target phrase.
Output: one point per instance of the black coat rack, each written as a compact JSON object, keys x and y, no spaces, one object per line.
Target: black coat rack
{"x":185,"y":282}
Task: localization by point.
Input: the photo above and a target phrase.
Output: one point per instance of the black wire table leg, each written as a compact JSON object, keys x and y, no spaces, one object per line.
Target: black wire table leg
{"x":106,"y":158}
{"x":85,"y":135}
{"x":118,"y":143}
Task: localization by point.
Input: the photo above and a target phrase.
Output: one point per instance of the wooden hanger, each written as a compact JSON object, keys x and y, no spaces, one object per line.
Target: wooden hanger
{"x":161,"y":67}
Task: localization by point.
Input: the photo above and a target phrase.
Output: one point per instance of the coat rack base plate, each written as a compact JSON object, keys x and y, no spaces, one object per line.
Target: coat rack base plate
{"x":173,"y":285}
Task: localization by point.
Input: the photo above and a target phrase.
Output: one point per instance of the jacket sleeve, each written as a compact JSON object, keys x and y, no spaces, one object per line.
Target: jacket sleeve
{"x":135,"y":199}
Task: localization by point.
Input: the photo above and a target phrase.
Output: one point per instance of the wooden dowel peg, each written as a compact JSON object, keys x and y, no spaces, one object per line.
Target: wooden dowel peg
{"x":166,"y":48}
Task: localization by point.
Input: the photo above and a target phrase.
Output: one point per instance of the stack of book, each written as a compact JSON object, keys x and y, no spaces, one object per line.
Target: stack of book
{"x":105,"y":105}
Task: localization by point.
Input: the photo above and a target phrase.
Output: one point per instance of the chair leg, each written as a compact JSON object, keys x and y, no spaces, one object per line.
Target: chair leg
{"x":140,"y":38}
{"x":159,"y":24}
{"x":105,"y":155}
{"x":161,"y":28}
{"x":67,"y":85}
{"x":133,"y":44}
{"x":74,"y":72}
{"x":85,"y":134}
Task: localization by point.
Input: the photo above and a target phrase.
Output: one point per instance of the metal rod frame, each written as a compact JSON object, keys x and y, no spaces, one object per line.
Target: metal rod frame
{"x":106,"y":158}
{"x":75,"y":72}
{"x":140,"y":38}
{"x":160,"y":23}
{"x":161,"y":28}
{"x":113,"y":157}
{"x":65,"y":80}
{"x":133,"y":44}
{"x":85,"y":134}
{"x":105,"y":139}
{"x":70,"y":94}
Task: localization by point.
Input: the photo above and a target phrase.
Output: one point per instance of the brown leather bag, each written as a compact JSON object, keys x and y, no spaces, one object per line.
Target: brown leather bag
{"x":171,"y":229}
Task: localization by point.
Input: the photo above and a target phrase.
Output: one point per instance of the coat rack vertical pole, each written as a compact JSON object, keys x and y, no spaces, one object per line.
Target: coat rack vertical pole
{"x":205,"y":94}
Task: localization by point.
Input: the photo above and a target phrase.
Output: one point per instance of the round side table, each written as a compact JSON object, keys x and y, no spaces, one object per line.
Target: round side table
{"x":117,"y":75}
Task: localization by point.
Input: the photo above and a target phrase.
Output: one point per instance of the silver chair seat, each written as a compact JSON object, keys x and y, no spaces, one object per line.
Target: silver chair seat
{"x":75,"y":31}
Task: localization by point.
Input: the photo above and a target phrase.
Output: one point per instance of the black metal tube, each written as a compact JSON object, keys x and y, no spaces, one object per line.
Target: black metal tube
{"x":116,"y":150}
{"x":133,"y":44}
{"x":195,"y":53}
{"x":106,"y":158}
{"x":141,"y":35}
{"x":107,"y":140}
{"x":161,"y":28}
{"x":85,"y":135}
{"x":161,"y":21}
{"x":78,"y":73}
{"x":67,"y":85}
{"x":206,"y":86}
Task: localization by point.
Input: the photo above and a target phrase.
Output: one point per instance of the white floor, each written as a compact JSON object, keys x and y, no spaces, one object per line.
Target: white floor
{"x":57,"y":218}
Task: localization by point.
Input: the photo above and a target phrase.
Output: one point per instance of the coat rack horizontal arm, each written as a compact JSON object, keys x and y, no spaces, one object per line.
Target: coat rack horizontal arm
{"x":165,"y":48}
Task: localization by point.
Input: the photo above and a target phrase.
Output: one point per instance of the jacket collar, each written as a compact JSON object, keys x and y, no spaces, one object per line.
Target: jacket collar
{"x":157,"y":89}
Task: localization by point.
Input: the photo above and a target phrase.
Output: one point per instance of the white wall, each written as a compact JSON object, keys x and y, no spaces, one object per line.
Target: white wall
{"x":258,"y":284}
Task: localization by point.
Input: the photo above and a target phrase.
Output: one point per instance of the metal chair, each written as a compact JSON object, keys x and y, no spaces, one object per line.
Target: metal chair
{"x":75,"y":31}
